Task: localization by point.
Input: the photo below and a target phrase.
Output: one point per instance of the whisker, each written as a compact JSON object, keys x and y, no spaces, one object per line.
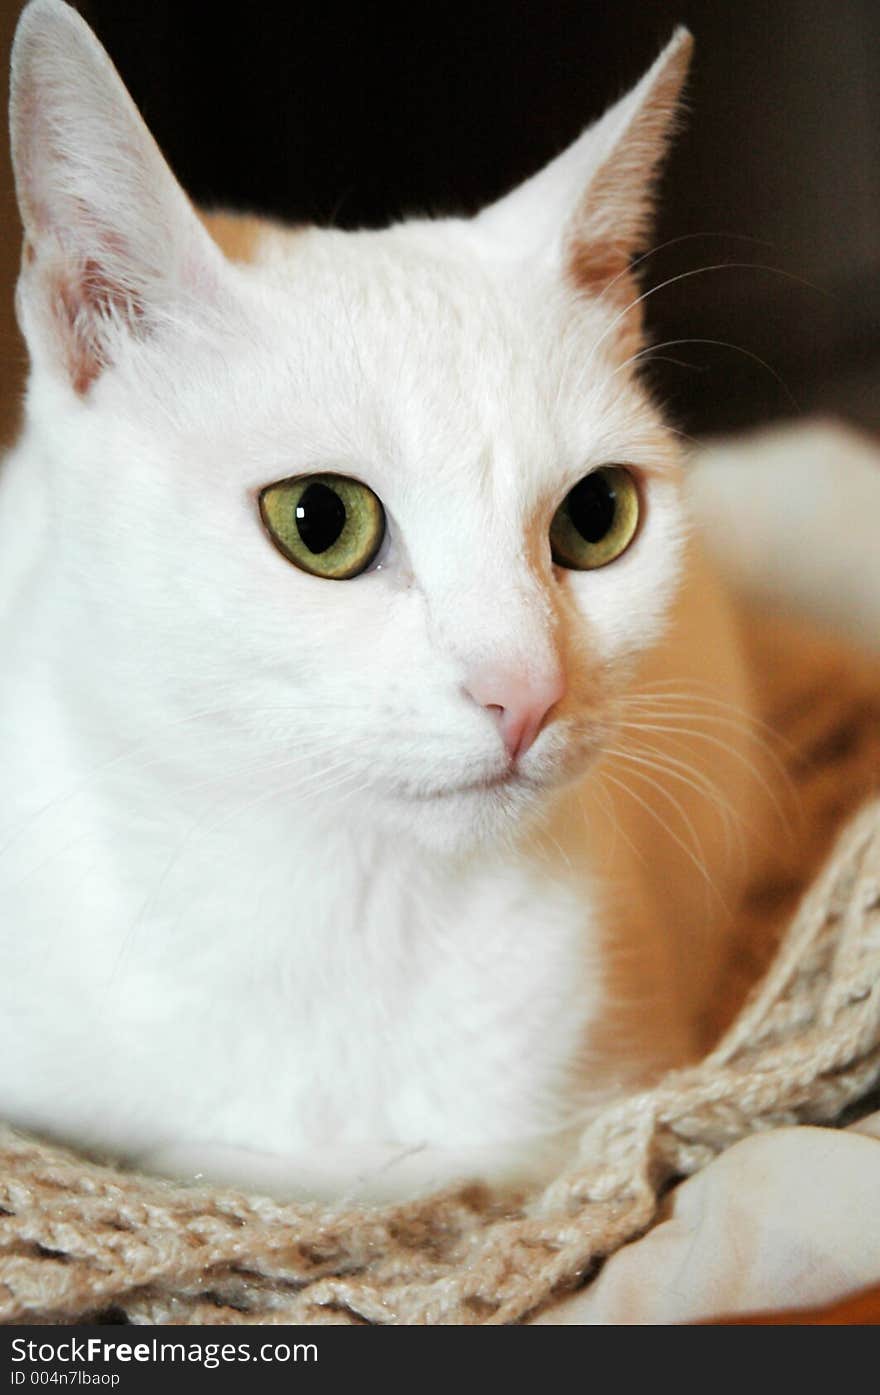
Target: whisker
{"x":608,"y":805}
{"x":670,"y":798}
{"x":728,"y":715}
{"x":743,"y":760}
{"x":694,"y":779}
{"x":651,"y":349}
{"x":749,"y":721}
{"x":688,"y":852}
{"x":672,"y":242}
{"x":686,"y":275}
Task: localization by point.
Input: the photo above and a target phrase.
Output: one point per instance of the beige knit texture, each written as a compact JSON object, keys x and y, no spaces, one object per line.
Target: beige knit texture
{"x":80,"y":1241}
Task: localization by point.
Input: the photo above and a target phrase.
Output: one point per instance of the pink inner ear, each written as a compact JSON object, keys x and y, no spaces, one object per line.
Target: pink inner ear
{"x":86,"y":299}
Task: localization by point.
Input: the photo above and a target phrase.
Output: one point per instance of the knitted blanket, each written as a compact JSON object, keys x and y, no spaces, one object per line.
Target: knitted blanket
{"x":80,"y":1241}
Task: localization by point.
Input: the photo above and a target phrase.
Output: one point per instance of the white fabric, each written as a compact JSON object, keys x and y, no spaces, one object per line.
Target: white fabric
{"x":786,"y":1219}
{"x":790,"y":514}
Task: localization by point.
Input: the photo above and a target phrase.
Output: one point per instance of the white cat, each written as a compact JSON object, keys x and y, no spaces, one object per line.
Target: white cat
{"x":373,"y":775}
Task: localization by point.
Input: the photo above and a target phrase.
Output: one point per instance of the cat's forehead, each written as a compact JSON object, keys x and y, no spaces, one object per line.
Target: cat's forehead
{"x":419,"y":285}
{"x":416,"y":340}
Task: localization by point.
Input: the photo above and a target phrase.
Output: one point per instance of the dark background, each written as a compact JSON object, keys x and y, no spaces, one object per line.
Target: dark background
{"x":359,"y":113}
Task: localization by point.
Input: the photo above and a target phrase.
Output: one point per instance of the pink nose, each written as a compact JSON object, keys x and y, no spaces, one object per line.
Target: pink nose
{"x":519,"y":700}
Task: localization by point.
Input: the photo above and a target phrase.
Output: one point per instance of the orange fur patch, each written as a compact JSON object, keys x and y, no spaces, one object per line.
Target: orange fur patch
{"x":236,"y":234}
{"x":594,"y":265}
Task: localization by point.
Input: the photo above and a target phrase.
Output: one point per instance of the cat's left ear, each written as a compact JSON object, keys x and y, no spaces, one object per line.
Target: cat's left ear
{"x":111,"y":243}
{"x":589,"y":211}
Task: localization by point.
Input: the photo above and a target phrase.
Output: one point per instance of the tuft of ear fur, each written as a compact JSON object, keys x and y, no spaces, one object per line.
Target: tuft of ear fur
{"x":590,"y":208}
{"x":111,"y":241}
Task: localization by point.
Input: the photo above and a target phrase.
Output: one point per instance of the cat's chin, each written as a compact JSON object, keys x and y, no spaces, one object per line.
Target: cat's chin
{"x":500,"y":806}
{"x":460,"y":818}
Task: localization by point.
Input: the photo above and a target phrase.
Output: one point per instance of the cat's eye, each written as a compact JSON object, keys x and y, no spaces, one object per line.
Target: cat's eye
{"x":329,"y":525}
{"x":597,"y":520}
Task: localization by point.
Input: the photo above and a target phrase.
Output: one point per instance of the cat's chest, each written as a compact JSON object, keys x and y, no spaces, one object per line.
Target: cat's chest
{"x":385,"y":996}
{"x":299,"y":997}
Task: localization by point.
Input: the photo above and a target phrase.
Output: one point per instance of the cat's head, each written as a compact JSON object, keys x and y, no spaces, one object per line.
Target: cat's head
{"x":391,"y":508}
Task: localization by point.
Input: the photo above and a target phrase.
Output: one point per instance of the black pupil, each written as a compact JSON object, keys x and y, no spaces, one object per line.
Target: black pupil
{"x":320,"y":517}
{"x":591,"y":506}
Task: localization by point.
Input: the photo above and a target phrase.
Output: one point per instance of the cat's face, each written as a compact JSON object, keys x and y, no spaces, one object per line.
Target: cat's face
{"x":470,"y":373}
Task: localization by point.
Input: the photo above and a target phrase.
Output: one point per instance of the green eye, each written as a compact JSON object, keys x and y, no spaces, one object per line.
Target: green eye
{"x":596,"y":520}
{"x":328,"y":525}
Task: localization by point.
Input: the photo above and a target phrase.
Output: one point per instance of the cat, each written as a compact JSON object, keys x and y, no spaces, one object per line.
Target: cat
{"x":377,"y":769}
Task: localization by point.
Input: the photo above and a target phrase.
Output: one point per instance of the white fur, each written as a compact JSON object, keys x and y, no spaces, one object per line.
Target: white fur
{"x":262,"y":914}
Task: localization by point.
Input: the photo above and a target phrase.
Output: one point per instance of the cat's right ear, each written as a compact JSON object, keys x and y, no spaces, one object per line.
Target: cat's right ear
{"x":111,"y":243}
{"x":588,"y":213}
